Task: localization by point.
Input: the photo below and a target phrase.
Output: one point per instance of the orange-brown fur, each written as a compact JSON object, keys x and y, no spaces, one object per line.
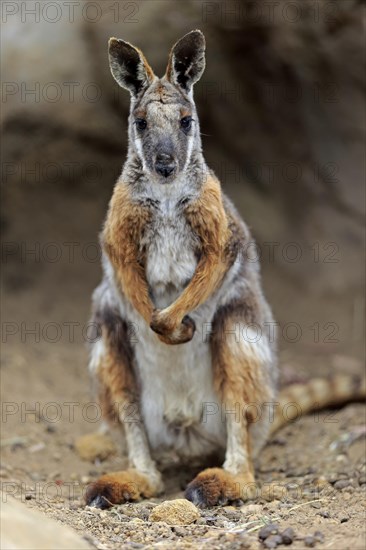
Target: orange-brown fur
{"x":127,"y":485}
{"x":219,"y":486}
{"x":121,"y":236}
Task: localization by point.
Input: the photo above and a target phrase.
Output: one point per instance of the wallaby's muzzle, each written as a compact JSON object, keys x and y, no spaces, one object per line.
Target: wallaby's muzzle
{"x":165,"y":164}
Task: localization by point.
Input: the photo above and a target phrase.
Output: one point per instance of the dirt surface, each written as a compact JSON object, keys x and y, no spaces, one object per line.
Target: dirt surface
{"x":319,"y":461}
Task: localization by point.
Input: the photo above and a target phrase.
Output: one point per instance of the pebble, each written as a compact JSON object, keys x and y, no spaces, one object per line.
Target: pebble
{"x":251,"y":509}
{"x":341,"y":458}
{"x":175,"y":512}
{"x":342,"y":484}
{"x":50,"y":429}
{"x":333,"y":477}
{"x":95,"y":446}
{"x":316,"y":505}
{"x":267,"y":530}
{"x":36,"y":448}
{"x":280,"y":441}
{"x":273,"y":491}
{"x":245,"y":542}
{"x":272,"y":541}
{"x":180,"y":531}
{"x":318,"y":535}
{"x":288,"y":535}
{"x":310,"y":541}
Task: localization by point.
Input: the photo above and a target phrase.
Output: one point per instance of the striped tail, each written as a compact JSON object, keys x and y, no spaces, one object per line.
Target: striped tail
{"x":298,"y":399}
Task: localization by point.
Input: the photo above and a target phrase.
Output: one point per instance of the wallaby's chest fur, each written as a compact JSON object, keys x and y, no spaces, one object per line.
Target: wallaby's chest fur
{"x":170,"y":246}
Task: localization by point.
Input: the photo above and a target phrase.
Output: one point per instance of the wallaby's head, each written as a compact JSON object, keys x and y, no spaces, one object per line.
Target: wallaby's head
{"x":163,"y":124}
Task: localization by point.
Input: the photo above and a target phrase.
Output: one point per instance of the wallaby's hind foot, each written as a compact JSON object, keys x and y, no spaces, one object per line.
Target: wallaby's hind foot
{"x":215,"y":486}
{"x":119,"y":487}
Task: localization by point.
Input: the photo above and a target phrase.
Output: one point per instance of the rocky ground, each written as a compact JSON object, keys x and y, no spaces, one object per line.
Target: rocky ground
{"x":319,"y":495}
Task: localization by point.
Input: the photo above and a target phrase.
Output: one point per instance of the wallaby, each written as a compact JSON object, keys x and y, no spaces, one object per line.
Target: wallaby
{"x":187,"y":335}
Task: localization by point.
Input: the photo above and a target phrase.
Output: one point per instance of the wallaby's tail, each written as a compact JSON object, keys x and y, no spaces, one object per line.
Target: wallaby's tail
{"x":319,"y":393}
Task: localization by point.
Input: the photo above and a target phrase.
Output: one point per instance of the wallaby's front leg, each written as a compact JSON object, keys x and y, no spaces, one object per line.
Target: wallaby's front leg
{"x":208,"y":220}
{"x":122,"y":233}
{"x":118,"y":394}
{"x":241,"y":380}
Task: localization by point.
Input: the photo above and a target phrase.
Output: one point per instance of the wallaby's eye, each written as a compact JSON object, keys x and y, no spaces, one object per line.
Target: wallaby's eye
{"x":140,"y":123}
{"x":186,"y":123}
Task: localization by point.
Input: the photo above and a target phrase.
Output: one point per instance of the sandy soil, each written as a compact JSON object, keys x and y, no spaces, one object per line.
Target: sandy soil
{"x":319,"y":460}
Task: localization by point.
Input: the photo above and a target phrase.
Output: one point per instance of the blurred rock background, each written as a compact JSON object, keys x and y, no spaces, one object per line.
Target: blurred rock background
{"x":282,"y":110}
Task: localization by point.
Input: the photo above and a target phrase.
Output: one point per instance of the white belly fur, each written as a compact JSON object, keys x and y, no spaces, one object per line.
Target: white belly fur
{"x":176,"y":393}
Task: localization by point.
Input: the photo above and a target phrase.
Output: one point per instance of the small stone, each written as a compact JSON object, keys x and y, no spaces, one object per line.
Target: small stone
{"x":272,"y":541}
{"x":335,"y":476}
{"x":251,"y":509}
{"x":137,"y":520}
{"x":37,"y":447}
{"x":180,"y":531}
{"x":344,"y":519}
{"x":95,"y":446}
{"x":362,"y":480}
{"x":310,"y":541}
{"x":273,"y":491}
{"x":50,"y":429}
{"x":316,"y":505}
{"x":342,"y":484}
{"x":324,"y":514}
{"x":341,"y":458}
{"x":288,"y":536}
{"x":281,"y":441}
{"x":267,"y":530}
{"x":175,"y":512}
{"x":318,"y":535}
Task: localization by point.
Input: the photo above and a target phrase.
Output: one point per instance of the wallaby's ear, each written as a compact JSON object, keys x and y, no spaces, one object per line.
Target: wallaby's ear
{"x":187,"y":60}
{"x":129,"y":66}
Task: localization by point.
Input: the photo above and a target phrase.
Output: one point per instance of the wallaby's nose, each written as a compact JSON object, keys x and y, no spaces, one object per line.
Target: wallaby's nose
{"x":164,"y":164}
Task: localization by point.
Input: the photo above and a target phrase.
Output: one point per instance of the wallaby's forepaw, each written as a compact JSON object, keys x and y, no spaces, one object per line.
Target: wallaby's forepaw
{"x":168,"y":333}
{"x":117,"y":488}
{"x":215,"y":486}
